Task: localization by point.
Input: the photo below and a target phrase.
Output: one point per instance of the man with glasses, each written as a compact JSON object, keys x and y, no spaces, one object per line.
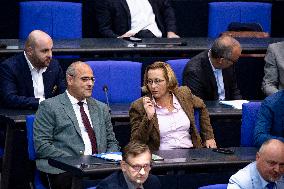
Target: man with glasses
{"x":71,"y":124}
{"x":210,"y":75}
{"x":135,"y":167}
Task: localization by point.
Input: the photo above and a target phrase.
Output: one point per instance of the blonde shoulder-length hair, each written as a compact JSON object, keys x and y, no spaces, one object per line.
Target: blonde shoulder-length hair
{"x":168,"y":74}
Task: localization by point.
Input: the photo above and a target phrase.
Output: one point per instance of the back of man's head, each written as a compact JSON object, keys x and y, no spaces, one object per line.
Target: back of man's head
{"x":223,"y":46}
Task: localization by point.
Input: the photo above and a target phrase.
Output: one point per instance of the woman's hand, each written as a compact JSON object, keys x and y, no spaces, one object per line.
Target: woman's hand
{"x":149,"y":107}
{"x":210,"y":143}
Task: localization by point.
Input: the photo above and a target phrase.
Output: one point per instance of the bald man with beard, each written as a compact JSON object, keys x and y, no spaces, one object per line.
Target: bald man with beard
{"x":32,"y":76}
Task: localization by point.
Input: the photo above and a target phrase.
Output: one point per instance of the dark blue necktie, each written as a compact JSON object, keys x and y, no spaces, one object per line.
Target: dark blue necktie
{"x":270,"y":185}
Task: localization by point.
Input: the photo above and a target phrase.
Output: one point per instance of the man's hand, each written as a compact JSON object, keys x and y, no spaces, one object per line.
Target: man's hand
{"x":210,"y":143}
{"x":127,"y":34}
{"x":172,"y":35}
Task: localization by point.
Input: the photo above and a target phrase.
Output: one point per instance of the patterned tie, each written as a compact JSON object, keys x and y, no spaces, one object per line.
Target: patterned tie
{"x":88,"y":127}
{"x":270,"y":185}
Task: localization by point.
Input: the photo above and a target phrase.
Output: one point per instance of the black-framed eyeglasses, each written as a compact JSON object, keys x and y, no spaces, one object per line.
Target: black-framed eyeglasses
{"x":138,"y":168}
{"x":156,"y":81}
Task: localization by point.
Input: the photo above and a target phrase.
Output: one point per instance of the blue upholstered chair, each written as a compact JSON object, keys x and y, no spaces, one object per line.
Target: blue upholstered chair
{"x":122,"y":78}
{"x":178,"y":65}
{"x":214,"y":186}
{"x":31,"y":151}
{"x":249,"y":117}
{"x":61,"y":20}
{"x":221,"y":14}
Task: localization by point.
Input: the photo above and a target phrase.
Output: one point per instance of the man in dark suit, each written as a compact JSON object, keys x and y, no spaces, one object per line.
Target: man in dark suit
{"x":210,"y":75}
{"x":144,"y":18}
{"x":28,"y":78}
{"x":135,"y":166}
{"x":71,"y":124}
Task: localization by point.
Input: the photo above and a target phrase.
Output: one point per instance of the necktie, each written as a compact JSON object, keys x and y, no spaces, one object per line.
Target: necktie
{"x":270,"y":185}
{"x":88,"y":127}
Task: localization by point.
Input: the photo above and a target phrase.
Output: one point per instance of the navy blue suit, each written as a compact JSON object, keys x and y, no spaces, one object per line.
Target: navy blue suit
{"x":16,"y":83}
{"x":270,"y":120}
{"x":114,"y":19}
{"x":198,"y":75}
{"x":117,"y":181}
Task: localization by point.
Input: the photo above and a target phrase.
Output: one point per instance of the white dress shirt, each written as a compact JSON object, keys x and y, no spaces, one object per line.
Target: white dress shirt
{"x":85,"y":136}
{"x":142,"y":17}
{"x":37,"y":80}
{"x":219,"y":80}
{"x":174,"y":127}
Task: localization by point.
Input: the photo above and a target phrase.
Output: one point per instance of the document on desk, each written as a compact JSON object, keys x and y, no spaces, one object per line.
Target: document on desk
{"x":117,"y":156}
{"x":237,"y":104}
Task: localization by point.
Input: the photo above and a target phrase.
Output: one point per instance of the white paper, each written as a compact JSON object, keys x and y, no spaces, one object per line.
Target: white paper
{"x":237,"y":104}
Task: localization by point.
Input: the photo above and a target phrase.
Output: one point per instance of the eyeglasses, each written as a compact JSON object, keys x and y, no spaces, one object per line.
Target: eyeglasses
{"x":85,"y":79}
{"x":156,"y":81}
{"x":138,"y":168}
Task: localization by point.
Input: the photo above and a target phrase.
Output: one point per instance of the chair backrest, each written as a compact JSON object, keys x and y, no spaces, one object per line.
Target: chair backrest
{"x":249,"y":117}
{"x":221,"y":14}
{"x":29,"y":124}
{"x":61,"y":20}
{"x":197,"y":119}
{"x":214,"y":186}
{"x":122,"y":78}
{"x":31,"y":150}
{"x":178,"y":66}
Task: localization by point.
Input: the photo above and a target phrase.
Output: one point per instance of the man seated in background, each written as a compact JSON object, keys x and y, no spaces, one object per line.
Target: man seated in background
{"x":273,"y":79}
{"x":270,"y":120}
{"x":71,"y":124}
{"x":266,"y":172}
{"x":28,"y":78}
{"x":210,"y":75}
{"x":135,"y":167}
{"x":143,"y":19}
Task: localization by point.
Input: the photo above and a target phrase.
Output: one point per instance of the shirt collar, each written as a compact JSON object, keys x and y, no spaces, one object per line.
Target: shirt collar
{"x":176,"y":104}
{"x":32,"y":67}
{"x":74,"y":100}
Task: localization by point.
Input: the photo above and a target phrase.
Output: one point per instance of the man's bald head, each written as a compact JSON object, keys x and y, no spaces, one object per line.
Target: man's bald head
{"x":270,"y":160}
{"x":38,"y":48}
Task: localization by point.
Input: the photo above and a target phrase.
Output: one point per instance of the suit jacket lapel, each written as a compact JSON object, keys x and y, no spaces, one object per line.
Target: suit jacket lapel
{"x":126,"y":7}
{"x":46,"y":81}
{"x":95,"y":118}
{"x":212,"y":79}
{"x":68,"y":108}
{"x":26,"y":75}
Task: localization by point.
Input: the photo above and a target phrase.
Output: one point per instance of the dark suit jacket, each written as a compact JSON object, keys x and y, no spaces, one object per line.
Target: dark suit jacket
{"x":16,"y":83}
{"x":113,"y":17}
{"x":57,"y":132}
{"x":117,"y":181}
{"x":199,"y":77}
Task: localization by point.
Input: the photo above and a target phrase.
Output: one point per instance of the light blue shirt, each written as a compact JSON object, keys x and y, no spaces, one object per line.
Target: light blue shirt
{"x":249,"y":178}
{"x":219,"y":80}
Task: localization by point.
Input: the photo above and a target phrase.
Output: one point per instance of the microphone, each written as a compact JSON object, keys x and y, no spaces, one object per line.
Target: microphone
{"x":105,"y":89}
